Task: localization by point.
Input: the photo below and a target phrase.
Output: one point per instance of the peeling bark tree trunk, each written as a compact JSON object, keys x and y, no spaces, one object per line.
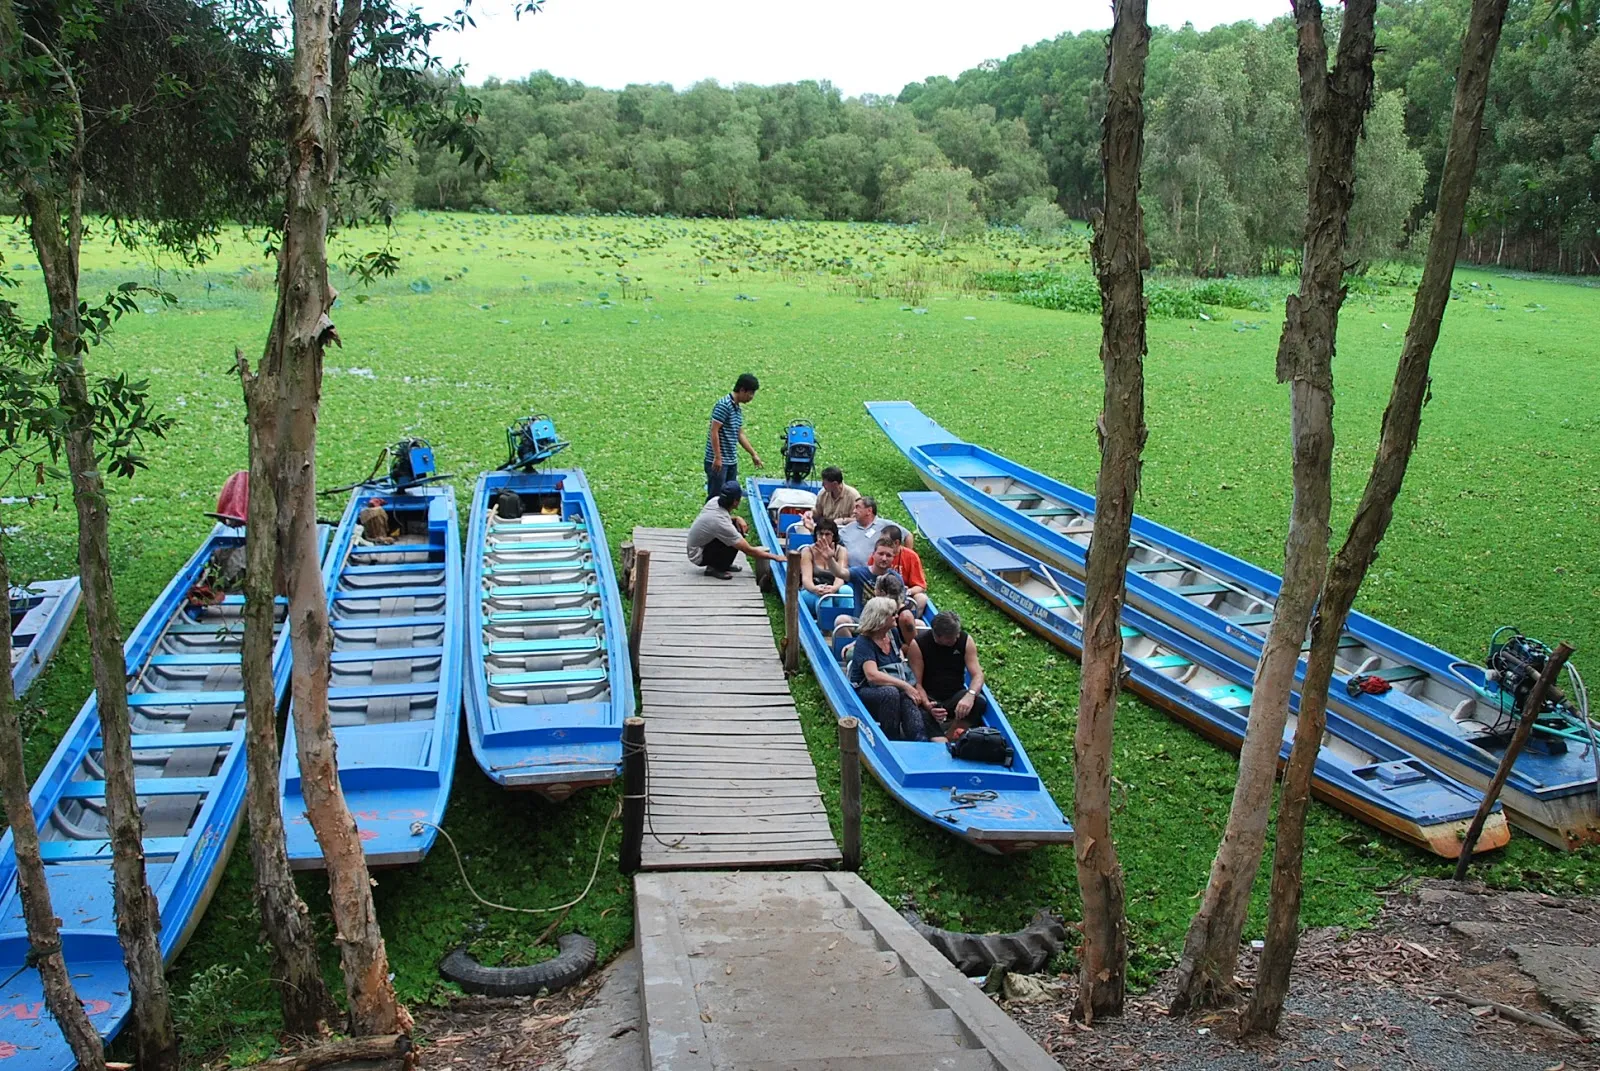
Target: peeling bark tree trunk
{"x":1401,"y":422}
{"x":44,"y":929}
{"x":137,"y":915}
{"x":1119,"y":257}
{"x":308,"y":1007}
{"x":1334,"y":105}
{"x":300,"y":331}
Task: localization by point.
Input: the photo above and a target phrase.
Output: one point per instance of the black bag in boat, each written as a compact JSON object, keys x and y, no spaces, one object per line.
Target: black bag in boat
{"x":982,"y":743}
{"x":509,"y":504}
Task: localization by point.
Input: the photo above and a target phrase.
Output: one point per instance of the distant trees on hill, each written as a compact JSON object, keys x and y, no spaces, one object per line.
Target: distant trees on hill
{"x":1224,"y":167}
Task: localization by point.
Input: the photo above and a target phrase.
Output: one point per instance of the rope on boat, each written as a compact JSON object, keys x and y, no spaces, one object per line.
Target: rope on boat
{"x":965,"y":801}
{"x":599,"y":853}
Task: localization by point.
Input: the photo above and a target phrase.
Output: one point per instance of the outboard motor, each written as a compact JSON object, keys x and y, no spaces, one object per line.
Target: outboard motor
{"x":530,"y":442}
{"x":799,"y":450}
{"x":1515,"y":665}
{"x":411,"y":463}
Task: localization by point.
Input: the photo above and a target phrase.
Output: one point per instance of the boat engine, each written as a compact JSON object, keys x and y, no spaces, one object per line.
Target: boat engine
{"x":799,"y":450}
{"x":411,"y":463}
{"x":530,"y":442}
{"x":1514,"y":666}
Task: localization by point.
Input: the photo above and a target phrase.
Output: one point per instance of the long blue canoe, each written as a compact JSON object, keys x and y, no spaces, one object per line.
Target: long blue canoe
{"x":395,"y":694}
{"x":549,"y":683}
{"x":1357,"y":771}
{"x":1439,"y":707}
{"x":998,"y":809}
{"x":40,"y":614}
{"x":187,"y":711}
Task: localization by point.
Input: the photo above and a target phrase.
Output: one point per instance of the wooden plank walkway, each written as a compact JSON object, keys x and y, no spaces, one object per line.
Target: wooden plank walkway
{"x":731,"y":784}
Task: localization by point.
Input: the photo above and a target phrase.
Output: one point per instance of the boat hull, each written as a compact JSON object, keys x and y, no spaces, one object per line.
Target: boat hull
{"x":950,"y":793}
{"x":548,"y":681}
{"x":1551,"y":796}
{"x":1175,"y":674}
{"x":395,"y":694}
{"x":186,"y":704}
{"x":37,"y":635}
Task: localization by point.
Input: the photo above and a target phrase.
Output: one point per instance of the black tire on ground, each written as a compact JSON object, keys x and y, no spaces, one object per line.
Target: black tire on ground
{"x":576,"y":959}
{"x":1024,"y":952}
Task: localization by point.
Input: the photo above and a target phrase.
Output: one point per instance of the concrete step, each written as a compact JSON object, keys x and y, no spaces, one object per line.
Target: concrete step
{"x":964,"y":1060}
{"x":741,"y":1039}
{"x":745,"y":971}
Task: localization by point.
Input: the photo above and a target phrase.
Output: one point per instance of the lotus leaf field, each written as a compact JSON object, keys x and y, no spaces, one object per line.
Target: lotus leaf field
{"x":627,"y":330}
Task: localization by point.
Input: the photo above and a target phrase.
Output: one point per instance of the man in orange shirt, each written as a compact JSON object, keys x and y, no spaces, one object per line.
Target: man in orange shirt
{"x":908,"y":563}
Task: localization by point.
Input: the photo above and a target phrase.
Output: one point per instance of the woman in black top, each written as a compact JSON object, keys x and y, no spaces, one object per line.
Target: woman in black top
{"x":951,"y":674}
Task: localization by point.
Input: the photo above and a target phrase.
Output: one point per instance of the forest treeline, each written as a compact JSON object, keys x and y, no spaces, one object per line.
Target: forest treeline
{"x":1016,"y":142}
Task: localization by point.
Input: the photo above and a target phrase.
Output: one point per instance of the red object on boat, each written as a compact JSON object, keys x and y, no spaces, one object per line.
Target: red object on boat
{"x":233,"y":501}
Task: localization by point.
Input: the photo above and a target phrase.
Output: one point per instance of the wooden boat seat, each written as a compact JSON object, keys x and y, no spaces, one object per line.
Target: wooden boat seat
{"x":1167,"y":661}
{"x":393,"y":708}
{"x":1145,"y":568}
{"x":1202,"y":589}
{"x":171,"y":816}
{"x":1017,"y":496}
{"x":1397,"y":674}
{"x":1050,"y":511}
{"x":1346,"y":642}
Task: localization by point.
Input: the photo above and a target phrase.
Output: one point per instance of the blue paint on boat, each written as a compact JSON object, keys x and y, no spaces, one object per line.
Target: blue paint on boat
{"x":549,"y":681}
{"x":40,"y":614}
{"x":188,"y":745}
{"x":923,"y":776}
{"x":395,"y":693}
{"x":1357,"y":771}
{"x":1439,"y":707}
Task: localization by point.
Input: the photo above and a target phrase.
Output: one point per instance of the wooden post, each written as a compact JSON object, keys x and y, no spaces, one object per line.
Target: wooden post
{"x":850,"y":791}
{"x":641,"y":588}
{"x":791,"y":615}
{"x":633,"y":792}
{"x":1530,"y":712}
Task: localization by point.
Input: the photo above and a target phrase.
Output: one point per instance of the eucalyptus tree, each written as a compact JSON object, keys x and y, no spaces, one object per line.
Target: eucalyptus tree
{"x":103,"y":104}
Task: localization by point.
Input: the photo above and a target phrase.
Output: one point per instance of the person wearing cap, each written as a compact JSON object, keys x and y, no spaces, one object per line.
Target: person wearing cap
{"x":716,"y":537}
{"x":726,"y":435}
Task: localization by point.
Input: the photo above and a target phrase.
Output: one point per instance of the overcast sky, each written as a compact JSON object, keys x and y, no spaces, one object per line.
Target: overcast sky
{"x":861,"y":46}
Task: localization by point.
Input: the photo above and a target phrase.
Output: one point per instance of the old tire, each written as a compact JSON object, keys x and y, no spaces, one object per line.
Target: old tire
{"x":1025,"y":951}
{"x":576,"y":959}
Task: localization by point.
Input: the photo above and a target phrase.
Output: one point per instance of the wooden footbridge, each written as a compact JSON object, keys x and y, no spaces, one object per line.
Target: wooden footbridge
{"x":762,"y":969}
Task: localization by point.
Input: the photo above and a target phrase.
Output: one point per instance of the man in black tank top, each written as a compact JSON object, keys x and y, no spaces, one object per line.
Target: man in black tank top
{"x":951,"y":674}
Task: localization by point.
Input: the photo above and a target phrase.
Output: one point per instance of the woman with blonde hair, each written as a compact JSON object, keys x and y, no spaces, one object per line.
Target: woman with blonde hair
{"x":882,"y":677}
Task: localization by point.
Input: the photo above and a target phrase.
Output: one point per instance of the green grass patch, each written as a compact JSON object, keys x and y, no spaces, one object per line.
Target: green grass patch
{"x":627,"y":330}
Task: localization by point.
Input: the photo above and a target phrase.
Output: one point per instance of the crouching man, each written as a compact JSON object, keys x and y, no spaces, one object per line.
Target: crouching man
{"x":716,"y":537}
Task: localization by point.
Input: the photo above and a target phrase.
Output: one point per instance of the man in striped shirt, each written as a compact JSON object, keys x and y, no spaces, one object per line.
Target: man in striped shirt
{"x":727,"y":434}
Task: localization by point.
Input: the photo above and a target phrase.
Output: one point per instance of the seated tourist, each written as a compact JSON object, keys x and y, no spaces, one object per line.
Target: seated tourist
{"x":863,"y":578}
{"x":837,"y":499}
{"x":890,"y":586}
{"x":864,"y":529}
{"x":953,"y":679}
{"x":716,"y":537}
{"x":883,"y":679}
{"x":908,"y":563}
{"x":824,"y":566}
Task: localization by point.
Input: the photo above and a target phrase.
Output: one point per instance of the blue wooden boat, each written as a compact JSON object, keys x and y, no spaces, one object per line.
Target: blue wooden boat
{"x":549,"y":682}
{"x":395,"y":694}
{"x":1440,"y":708}
{"x":40,"y":614}
{"x":187,"y":711}
{"x":1359,"y":772}
{"x":998,"y":809}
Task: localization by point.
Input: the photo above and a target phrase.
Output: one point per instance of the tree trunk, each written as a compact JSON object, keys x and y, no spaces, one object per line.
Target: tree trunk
{"x":1334,"y":104}
{"x":138,"y":917}
{"x":308,"y":1007}
{"x":300,"y":331}
{"x":44,"y":929}
{"x":1401,"y":421}
{"x":1119,"y":257}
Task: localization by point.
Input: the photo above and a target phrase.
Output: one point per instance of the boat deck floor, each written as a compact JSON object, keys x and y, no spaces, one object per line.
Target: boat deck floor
{"x":731,"y":782}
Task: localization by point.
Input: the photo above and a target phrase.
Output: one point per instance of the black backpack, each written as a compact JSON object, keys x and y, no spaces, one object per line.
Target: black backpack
{"x":982,"y":744}
{"x":510,"y":504}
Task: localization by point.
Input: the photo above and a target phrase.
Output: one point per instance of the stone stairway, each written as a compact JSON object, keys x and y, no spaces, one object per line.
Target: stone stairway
{"x":805,"y":971}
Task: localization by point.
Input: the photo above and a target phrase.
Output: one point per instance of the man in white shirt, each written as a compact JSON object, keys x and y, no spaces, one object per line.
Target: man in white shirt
{"x":860,"y":536}
{"x":716,"y":537}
